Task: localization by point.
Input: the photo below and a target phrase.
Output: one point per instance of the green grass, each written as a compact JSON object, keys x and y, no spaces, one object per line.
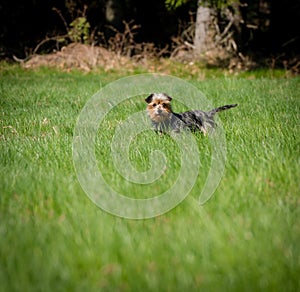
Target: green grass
{"x":53,"y":238}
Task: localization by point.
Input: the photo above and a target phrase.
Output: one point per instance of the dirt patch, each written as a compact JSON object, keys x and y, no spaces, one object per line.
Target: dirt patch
{"x":80,"y":56}
{"x":87,"y":57}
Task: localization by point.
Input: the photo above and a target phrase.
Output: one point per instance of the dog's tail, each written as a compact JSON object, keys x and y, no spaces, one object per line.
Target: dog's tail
{"x":221,"y":108}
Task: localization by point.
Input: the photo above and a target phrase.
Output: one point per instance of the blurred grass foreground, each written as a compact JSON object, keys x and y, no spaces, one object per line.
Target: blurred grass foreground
{"x":53,"y":238}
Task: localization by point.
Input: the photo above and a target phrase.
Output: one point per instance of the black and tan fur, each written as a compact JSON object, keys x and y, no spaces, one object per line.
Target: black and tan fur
{"x":163,"y":118}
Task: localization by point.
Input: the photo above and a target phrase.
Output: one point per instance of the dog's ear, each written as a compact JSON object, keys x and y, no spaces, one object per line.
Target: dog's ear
{"x":168,"y":97}
{"x":149,"y":98}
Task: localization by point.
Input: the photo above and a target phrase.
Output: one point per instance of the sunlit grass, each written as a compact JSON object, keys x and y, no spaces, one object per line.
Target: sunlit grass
{"x":53,"y":238}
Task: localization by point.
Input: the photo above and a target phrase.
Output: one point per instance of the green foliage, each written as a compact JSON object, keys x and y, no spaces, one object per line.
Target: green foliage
{"x":79,"y":30}
{"x":174,"y":4}
{"x":53,"y":238}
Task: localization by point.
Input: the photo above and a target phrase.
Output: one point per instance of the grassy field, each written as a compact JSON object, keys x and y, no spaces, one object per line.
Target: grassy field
{"x":53,"y":238}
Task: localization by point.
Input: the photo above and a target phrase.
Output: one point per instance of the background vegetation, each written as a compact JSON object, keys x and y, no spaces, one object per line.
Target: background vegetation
{"x":265,"y":31}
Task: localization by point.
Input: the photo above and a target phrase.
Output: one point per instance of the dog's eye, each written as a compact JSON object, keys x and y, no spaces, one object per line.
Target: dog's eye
{"x":154,"y":104}
{"x":164,"y":105}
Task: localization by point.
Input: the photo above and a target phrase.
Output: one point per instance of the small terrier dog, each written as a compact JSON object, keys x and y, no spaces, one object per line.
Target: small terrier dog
{"x":164,"y":119}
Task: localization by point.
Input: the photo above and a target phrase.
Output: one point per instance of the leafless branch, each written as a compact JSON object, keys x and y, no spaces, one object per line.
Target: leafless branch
{"x":61,"y":17}
{"x":48,"y":39}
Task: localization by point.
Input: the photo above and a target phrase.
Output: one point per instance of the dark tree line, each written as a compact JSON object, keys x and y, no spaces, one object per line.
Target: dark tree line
{"x":259,"y":27}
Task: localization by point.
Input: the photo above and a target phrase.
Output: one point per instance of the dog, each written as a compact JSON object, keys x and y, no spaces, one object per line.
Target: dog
{"x":163,"y":118}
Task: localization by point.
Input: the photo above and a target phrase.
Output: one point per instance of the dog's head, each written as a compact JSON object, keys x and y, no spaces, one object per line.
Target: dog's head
{"x":159,"y":107}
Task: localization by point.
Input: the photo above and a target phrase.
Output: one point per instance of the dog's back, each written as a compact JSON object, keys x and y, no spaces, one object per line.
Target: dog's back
{"x":197,"y":119}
